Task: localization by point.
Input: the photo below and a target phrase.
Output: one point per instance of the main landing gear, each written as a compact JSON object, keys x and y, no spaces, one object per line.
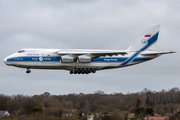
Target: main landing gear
{"x":83,"y":71}
{"x":28,"y":71}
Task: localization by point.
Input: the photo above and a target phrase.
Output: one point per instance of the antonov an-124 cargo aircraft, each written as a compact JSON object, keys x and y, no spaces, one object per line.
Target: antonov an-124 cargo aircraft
{"x":85,"y":61}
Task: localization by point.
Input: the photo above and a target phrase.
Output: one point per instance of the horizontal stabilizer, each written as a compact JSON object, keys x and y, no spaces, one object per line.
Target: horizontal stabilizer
{"x":156,"y":53}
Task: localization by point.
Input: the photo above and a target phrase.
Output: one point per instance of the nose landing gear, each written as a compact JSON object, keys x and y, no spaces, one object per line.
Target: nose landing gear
{"x":28,"y":71}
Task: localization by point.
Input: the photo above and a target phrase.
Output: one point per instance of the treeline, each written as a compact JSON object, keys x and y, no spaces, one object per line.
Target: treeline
{"x":162,"y":102}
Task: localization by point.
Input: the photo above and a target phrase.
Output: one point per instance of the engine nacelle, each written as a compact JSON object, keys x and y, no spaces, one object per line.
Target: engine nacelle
{"x":84,"y":59}
{"x":67,"y":59}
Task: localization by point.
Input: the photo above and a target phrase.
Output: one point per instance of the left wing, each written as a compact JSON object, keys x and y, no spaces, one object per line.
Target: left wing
{"x":93,"y":53}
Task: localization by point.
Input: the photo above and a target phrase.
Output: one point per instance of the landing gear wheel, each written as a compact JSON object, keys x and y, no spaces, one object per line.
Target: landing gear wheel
{"x":28,"y":71}
{"x":71,"y":72}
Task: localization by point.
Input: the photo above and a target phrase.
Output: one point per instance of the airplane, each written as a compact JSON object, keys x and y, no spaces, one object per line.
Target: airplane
{"x":85,"y":61}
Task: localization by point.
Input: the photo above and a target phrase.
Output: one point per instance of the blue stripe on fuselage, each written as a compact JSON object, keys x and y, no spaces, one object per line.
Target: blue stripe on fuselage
{"x":34,"y":58}
{"x":57,"y":59}
{"x":109,"y":59}
{"x":122,"y":59}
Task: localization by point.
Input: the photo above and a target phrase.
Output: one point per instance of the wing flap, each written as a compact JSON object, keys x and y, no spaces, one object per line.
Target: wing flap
{"x":107,"y":53}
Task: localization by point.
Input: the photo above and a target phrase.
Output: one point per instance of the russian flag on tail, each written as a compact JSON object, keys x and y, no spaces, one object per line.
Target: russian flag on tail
{"x":147,"y":36}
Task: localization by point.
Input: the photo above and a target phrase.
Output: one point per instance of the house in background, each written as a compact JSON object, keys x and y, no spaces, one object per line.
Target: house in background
{"x":155,"y":118}
{"x":4,"y":113}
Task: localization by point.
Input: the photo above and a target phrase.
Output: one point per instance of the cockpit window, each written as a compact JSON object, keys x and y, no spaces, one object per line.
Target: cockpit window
{"x":21,"y":51}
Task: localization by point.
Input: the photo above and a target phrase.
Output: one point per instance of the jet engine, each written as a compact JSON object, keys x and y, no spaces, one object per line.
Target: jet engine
{"x":84,"y":59}
{"x":67,"y":59}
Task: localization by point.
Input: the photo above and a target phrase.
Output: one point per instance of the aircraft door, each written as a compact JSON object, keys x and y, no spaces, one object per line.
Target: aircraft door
{"x":35,"y":61}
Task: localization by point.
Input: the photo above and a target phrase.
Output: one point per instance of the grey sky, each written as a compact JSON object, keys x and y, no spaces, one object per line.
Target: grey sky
{"x":95,"y":24}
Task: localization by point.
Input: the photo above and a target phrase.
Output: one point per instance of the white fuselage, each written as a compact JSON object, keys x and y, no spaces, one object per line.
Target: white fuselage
{"x":49,"y":59}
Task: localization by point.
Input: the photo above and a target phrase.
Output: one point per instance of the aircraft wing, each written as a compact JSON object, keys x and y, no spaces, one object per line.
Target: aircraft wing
{"x":156,"y":53}
{"x":97,"y":54}
{"x":92,"y":53}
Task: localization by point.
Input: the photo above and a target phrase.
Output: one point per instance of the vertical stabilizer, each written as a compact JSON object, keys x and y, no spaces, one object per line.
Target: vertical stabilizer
{"x":147,"y":41}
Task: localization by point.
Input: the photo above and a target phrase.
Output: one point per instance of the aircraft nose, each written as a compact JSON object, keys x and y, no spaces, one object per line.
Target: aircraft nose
{"x":5,"y":60}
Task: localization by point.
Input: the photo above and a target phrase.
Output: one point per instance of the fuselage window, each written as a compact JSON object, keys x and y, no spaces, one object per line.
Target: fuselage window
{"x":21,"y":51}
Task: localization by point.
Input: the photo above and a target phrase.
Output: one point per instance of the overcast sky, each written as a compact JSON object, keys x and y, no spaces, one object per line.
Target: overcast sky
{"x":91,"y":24}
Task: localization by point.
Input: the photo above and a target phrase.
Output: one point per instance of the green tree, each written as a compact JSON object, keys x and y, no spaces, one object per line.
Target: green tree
{"x":37,"y":110}
{"x":149,"y":111}
{"x":138,"y":103}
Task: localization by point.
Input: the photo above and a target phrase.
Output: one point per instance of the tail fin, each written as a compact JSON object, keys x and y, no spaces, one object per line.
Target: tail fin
{"x":147,"y":41}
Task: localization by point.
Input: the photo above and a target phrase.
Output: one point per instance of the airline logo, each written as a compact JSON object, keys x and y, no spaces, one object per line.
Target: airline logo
{"x":144,"y":42}
{"x":40,"y":58}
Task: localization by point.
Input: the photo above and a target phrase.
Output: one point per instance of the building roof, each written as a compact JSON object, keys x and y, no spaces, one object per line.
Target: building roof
{"x":2,"y":112}
{"x":157,"y":118}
